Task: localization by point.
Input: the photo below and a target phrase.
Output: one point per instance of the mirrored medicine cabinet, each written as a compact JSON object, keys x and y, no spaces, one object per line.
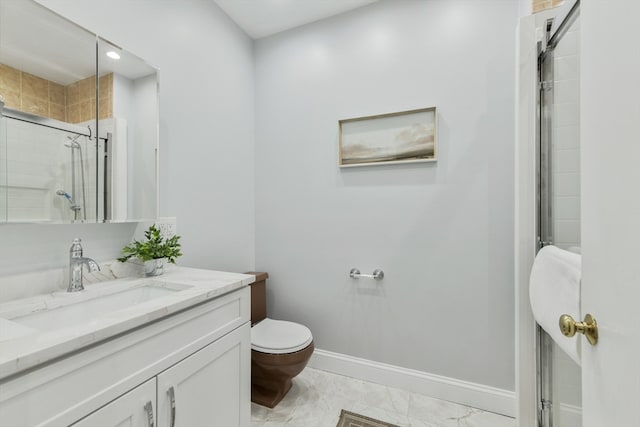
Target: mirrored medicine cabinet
{"x":79,"y":124}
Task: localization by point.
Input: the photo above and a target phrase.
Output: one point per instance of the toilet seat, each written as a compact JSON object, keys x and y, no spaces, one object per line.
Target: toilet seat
{"x":279,"y":336}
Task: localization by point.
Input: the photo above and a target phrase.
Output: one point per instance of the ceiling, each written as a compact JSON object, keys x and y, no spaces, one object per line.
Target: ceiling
{"x":53,"y":54}
{"x":262,"y":18}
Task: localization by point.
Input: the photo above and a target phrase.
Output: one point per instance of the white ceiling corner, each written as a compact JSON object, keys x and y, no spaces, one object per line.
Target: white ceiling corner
{"x":262,"y":18}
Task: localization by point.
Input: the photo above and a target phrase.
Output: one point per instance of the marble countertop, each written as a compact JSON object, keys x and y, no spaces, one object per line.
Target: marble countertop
{"x":23,"y":346}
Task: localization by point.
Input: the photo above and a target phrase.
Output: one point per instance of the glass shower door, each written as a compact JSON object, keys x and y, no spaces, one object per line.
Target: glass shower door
{"x":3,"y":167}
{"x":560,"y":376}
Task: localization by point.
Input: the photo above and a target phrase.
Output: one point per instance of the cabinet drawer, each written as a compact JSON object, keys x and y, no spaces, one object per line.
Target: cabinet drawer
{"x":135,"y":409}
{"x":61,"y":392}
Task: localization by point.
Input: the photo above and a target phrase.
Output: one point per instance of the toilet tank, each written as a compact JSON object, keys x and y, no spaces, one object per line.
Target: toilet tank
{"x":258,"y":296}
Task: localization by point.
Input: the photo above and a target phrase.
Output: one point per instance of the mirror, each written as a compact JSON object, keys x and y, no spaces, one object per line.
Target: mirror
{"x":128,"y":121}
{"x":79,"y":129}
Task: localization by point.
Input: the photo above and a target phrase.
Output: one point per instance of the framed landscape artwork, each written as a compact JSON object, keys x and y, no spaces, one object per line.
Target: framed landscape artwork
{"x":403,"y":137}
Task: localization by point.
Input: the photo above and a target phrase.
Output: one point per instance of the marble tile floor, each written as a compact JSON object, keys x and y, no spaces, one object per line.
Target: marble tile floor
{"x":316,"y":398}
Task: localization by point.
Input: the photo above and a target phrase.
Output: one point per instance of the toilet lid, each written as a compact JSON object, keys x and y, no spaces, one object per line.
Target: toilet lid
{"x":279,"y":336}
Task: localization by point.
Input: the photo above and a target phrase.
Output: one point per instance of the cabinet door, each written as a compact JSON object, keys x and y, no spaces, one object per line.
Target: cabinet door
{"x":133,"y":409}
{"x":210,"y":388}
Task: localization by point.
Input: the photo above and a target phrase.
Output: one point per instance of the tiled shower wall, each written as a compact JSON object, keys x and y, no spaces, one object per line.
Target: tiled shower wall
{"x":37,"y":162}
{"x":566,"y":140}
{"x":32,"y":94}
{"x":81,"y":99}
{"x":37,"y":165}
{"x":105,"y":96}
{"x":74,"y":103}
{"x":538,"y":5}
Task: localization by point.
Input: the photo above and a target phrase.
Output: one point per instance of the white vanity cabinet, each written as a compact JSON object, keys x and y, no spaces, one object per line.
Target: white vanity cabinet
{"x":192,"y":367}
{"x":203,"y":390}
{"x":135,"y":409}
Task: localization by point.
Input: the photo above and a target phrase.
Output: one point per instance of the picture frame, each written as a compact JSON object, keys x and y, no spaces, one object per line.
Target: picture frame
{"x":392,"y":138}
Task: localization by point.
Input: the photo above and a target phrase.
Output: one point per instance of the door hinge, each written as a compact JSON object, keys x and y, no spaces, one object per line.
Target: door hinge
{"x":546,"y":405}
{"x":542,"y":243}
{"x":545,"y":85}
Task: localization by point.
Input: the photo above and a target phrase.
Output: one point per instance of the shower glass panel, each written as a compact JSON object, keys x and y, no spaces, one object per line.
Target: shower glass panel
{"x":3,"y":167}
{"x":50,"y":174}
{"x":560,"y":377}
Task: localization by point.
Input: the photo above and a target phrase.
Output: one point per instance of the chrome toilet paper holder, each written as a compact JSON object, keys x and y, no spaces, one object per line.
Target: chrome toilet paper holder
{"x":377,"y":274}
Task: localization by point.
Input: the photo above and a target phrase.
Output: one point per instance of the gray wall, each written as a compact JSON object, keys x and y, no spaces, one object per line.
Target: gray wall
{"x":206,"y":117}
{"x":524,"y":7}
{"x":442,"y":232}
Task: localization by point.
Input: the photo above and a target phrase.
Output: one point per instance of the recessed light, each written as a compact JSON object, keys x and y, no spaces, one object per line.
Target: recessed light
{"x":113,"y":55}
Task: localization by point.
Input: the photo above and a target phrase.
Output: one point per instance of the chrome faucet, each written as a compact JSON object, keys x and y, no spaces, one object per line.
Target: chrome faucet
{"x":76,"y":261}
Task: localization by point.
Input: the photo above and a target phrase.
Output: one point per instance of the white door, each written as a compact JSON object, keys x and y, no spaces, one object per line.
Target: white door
{"x":210,"y":388}
{"x":610,"y":132}
{"x":133,"y":409}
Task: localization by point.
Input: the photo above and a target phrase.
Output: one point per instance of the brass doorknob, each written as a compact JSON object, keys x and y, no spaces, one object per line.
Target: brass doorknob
{"x":589,"y":327}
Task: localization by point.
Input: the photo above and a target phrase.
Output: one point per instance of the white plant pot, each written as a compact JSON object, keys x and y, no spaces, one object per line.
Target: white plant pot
{"x":154,"y":267}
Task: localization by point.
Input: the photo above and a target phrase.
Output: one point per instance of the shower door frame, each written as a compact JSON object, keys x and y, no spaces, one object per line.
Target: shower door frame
{"x":544,"y":194}
{"x":544,"y":225}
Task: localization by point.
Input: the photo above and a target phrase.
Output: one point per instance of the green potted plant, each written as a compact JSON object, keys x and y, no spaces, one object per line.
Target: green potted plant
{"x":154,"y":251}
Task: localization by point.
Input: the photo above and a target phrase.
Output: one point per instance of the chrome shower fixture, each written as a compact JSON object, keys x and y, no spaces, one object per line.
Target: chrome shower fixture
{"x":74,"y":145}
{"x":73,"y":141}
{"x":67,"y":196}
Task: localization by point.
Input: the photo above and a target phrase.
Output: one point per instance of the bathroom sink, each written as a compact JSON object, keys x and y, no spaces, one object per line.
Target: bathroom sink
{"x":83,"y":312}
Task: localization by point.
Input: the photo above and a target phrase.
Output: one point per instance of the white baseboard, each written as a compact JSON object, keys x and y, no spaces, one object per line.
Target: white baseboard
{"x":569,"y":415}
{"x":467,"y":393}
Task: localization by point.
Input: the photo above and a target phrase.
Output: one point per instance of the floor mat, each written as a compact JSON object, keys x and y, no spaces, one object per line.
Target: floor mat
{"x":350,"y":419}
